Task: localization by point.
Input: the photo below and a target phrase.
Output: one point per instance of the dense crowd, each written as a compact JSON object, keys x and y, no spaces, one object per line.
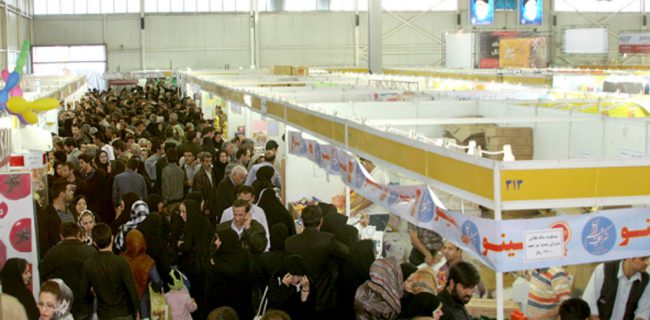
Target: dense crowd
{"x":151,"y":210}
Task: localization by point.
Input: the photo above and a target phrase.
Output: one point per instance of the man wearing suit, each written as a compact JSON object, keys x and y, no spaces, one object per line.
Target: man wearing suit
{"x":205,"y":184}
{"x":320,"y":251}
{"x":226,"y":190}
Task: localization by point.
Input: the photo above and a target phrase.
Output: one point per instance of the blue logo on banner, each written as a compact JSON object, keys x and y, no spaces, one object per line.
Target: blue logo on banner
{"x":471,"y":235}
{"x":426,"y":208}
{"x":334,"y":164}
{"x":599,"y":236}
{"x":318,"y":153}
{"x":359,"y":177}
{"x":393,"y":196}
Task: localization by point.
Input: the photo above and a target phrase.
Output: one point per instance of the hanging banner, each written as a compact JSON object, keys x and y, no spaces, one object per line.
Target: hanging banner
{"x":523,"y":53}
{"x":507,"y":245}
{"x":18,"y":236}
{"x":634,"y":42}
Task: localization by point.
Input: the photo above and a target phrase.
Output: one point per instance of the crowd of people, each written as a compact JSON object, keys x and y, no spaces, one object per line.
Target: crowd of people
{"x":151,"y":211}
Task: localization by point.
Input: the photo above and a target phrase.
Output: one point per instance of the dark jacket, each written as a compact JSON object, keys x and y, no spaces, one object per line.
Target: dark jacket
{"x":228,"y":277}
{"x":156,"y":231}
{"x":208,"y":191}
{"x":252,"y":239}
{"x":225,"y":196}
{"x":109,"y":276}
{"x":609,"y":290}
{"x":275,"y":210}
{"x":48,"y":229}
{"x":98,"y":194}
{"x":65,"y":261}
{"x":272,"y":260}
{"x":319,"y":249}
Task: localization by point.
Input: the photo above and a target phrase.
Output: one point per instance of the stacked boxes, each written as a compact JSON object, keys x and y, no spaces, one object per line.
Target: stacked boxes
{"x":520,"y":139}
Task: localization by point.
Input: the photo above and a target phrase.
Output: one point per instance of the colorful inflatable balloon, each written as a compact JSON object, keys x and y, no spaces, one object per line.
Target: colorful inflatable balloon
{"x":28,"y":110}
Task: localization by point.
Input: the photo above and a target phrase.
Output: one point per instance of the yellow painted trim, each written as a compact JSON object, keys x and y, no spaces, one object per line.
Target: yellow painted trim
{"x":545,"y":184}
{"x":275,"y":109}
{"x":463,"y":175}
{"x":327,"y":128}
{"x":256,"y":103}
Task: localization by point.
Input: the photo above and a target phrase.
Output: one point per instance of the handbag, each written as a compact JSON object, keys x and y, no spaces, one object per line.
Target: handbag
{"x":261,"y":310}
{"x":159,"y":308}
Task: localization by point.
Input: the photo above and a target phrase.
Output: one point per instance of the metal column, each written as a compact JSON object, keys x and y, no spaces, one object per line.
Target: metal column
{"x":375,"y":34}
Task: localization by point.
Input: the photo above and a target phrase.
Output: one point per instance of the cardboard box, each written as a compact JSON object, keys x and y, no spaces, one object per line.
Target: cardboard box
{"x":488,"y":307}
{"x":464,"y":133}
{"x":511,"y":140}
{"x":282,"y":70}
{"x":300,"y":70}
{"x":508,"y":131}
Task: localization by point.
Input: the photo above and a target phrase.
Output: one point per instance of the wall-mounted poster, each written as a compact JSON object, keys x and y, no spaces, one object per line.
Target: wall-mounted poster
{"x":481,"y":12}
{"x":489,"y":47}
{"x":530,"y":11}
{"x":531,"y":52}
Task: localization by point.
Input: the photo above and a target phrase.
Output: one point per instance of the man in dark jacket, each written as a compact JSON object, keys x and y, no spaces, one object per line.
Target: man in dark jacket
{"x":252,"y":235}
{"x":95,"y":188}
{"x":320,"y":251}
{"x":205,"y":184}
{"x":65,"y":261}
{"x":226,"y":190}
{"x":109,"y":277}
{"x":50,"y":218}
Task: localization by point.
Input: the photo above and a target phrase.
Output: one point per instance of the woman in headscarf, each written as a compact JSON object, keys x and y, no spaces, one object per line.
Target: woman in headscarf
{"x":219,"y":166}
{"x":227,"y":281}
{"x":194,"y":250}
{"x":86,"y":222}
{"x":139,"y":212}
{"x":379,"y":298}
{"x":273,"y":208}
{"x":101,"y":161}
{"x":16,"y":277}
{"x":271,"y":260}
{"x":143,"y":268}
{"x":289,"y":289}
{"x":55,"y":301}
{"x":421,"y":281}
{"x":79,"y":204}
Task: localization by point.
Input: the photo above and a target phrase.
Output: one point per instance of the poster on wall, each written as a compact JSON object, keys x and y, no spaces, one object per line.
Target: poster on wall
{"x":489,"y":47}
{"x":481,"y":12}
{"x":18,"y":238}
{"x":530,"y":52}
{"x":530,"y":12}
{"x":634,"y":42}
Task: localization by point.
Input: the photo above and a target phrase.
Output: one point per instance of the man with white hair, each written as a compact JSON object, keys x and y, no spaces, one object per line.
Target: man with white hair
{"x":226,"y":190}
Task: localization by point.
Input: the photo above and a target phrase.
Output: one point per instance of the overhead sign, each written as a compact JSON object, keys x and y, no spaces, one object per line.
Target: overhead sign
{"x":634,"y":42}
{"x":481,"y":12}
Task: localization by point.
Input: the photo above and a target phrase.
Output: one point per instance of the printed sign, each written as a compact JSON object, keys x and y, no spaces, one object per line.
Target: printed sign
{"x":544,"y":244}
{"x":530,"y":12}
{"x":481,"y":12}
{"x":636,"y":42}
{"x":507,"y":245}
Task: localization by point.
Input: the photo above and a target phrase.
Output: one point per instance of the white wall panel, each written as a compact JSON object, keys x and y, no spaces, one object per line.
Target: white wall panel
{"x":68,"y":30}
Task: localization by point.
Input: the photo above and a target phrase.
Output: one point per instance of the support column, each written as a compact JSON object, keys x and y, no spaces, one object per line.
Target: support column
{"x":375,"y":33}
{"x":5,"y":35}
{"x":357,"y":49}
{"x":253,"y":34}
{"x":143,"y":62}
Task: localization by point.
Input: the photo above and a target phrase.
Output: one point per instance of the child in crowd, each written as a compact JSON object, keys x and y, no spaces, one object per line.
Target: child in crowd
{"x":178,"y":298}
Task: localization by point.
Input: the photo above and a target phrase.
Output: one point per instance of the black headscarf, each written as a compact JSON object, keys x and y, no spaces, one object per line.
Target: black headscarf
{"x":13,"y":285}
{"x":279,"y":233}
{"x":229,"y":242}
{"x":421,"y":305}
